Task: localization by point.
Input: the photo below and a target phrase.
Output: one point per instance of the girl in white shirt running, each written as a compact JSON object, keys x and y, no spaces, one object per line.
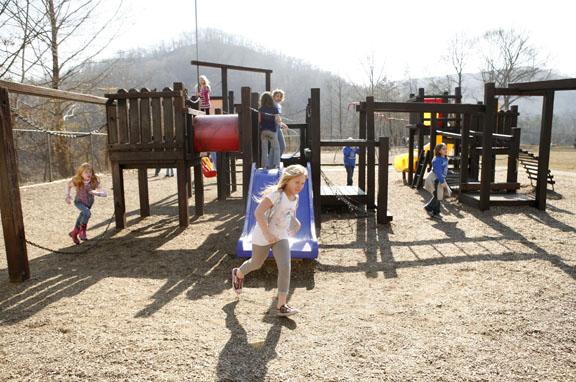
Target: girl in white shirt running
{"x":276,"y":218}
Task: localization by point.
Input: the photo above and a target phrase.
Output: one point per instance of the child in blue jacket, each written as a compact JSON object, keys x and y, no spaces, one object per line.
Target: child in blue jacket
{"x":350,"y":161}
{"x":436,"y":180}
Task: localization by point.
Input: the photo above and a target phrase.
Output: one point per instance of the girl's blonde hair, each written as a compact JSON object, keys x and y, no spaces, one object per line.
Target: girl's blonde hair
{"x":206,"y":82}
{"x":437,"y":149}
{"x":276,"y":91}
{"x":266,"y":99}
{"x":289,"y":173}
{"x":77,"y":179}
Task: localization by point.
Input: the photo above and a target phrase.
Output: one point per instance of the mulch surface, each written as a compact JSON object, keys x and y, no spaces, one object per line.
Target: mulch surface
{"x":476,"y":296}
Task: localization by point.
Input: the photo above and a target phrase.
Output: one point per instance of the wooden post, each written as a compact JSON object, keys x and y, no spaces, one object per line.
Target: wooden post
{"x":316,"y":161}
{"x":383,"y":150}
{"x":411,"y":133}
{"x":489,"y":121}
{"x":370,"y":154}
{"x":225,"y":107}
{"x":512,"y":175}
{"x":464,"y":154}
{"x":10,"y":203}
{"x":198,"y":190}
{"x":119,"y":202}
{"x":268,"y":82}
{"x":246,"y":146}
{"x":221,"y":175}
{"x":362,"y":152}
{"x":183,"y":207}
{"x":255,"y":131}
{"x":143,"y":192}
{"x":544,"y":150}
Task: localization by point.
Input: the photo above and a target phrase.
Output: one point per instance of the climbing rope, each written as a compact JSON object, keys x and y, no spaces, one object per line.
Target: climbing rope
{"x":55,"y":133}
{"x":84,"y":250}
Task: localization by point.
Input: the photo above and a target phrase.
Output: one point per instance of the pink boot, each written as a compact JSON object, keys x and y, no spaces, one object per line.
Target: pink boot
{"x":74,"y":235}
{"x":82,"y":234}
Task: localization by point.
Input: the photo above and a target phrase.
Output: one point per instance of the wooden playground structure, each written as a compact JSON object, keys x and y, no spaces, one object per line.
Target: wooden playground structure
{"x":479,"y":133}
{"x":155,"y":129}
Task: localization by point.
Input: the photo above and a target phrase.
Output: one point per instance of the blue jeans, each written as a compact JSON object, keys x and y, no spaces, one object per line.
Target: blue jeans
{"x":434,"y":204}
{"x":272,"y":159}
{"x":169,"y":172}
{"x":281,"y":140}
{"x":84,"y":213}
{"x":350,"y":175}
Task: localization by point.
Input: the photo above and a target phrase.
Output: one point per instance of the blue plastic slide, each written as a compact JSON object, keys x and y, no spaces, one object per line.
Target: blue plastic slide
{"x":304,"y":244}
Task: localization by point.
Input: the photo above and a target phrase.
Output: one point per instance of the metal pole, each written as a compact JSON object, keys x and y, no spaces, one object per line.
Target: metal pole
{"x":92,"y":150}
{"x":49,"y":159}
{"x":197,"y":56}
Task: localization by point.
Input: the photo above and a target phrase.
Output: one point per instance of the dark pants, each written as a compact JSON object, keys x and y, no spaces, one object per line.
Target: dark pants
{"x":350,"y":174}
{"x":84,"y":213}
{"x":434,"y":204}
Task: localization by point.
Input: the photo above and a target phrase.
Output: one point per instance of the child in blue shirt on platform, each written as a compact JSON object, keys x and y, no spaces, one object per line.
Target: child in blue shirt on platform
{"x":350,"y":161}
{"x":268,"y":120}
{"x":436,"y":180}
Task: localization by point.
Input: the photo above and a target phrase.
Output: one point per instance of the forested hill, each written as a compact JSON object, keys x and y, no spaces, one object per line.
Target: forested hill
{"x":162,"y":66}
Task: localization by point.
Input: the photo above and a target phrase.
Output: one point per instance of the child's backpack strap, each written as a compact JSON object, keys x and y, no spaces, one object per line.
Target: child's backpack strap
{"x":274,"y":207}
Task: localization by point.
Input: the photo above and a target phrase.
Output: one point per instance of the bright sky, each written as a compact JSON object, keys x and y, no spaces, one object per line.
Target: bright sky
{"x":403,"y":36}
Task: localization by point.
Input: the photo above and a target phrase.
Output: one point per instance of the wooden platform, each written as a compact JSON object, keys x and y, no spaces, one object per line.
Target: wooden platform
{"x":329,"y":195}
{"x":473,"y":199}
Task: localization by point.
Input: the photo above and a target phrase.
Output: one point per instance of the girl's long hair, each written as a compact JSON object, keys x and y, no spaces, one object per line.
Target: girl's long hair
{"x":266,"y":99}
{"x":206,"y":82}
{"x":289,"y":173}
{"x":77,"y":179}
{"x":437,"y":149}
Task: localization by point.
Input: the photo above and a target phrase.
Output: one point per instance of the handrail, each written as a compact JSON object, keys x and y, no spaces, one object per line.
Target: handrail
{"x":40,"y":91}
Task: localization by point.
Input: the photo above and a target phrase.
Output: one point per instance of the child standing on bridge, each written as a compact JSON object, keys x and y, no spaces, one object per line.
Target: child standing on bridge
{"x":276,"y":217}
{"x":203,"y":91}
{"x":87,"y":186}
{"x":436,"y":181}
{"x":350,"y":161}
{"x":268,"y":120}
{"x":278,"y":96}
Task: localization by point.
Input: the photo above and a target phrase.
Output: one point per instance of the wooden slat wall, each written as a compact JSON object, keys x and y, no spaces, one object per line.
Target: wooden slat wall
{"x":168,"y":114}
{"x":145,"y":121}
{"x":134,"y":116}
{"x":157,"y":131}
{"x":112,"y":123}
{"x":123,"y":135}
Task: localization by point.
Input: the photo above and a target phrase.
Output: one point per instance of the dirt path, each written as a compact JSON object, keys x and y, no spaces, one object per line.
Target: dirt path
{"x":479,"y":296}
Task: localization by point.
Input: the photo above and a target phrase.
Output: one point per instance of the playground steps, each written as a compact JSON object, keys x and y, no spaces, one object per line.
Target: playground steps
{"x":332,"y":195}
{"x":500,"y":186}
{"x":421,"y":166}
{"x":530,"y":163}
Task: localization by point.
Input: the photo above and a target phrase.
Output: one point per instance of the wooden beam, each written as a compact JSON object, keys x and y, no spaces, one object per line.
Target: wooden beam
{"x":419,"y":107}
{"x":40,"y":91}
{"x":231,"y":67}
{"x":551,"y":85}
{"x":10,"y":202}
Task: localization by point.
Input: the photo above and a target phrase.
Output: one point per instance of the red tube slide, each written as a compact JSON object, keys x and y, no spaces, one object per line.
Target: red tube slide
{"x":217,"y":133}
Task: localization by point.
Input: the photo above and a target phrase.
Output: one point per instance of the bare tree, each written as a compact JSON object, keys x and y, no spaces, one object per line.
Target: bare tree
{"x":458,"y":52}
{"x":50,"y":42}
{"x":508,"y":57}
